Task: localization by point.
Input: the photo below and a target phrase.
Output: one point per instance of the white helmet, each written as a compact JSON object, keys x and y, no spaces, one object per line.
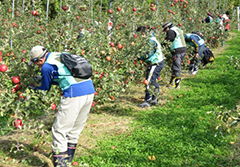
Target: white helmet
{"x":36,"y":53}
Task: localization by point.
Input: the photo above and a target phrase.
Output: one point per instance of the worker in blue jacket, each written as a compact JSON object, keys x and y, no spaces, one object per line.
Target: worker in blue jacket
{"x":195,"y":40}
{"x":155,"y":62}
{"x":75,"y":103}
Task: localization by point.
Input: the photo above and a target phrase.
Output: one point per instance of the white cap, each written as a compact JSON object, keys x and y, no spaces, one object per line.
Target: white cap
{"x":225,"y":16}
{"x":167,"y":24}
{"x":36,"y":52}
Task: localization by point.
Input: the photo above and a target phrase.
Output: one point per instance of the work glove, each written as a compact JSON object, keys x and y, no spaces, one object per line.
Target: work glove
{"x":37,"y":78}
{"x":32,"y":87}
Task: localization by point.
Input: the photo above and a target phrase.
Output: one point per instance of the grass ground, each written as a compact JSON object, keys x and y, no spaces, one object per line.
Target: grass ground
{"x":177,"y":132}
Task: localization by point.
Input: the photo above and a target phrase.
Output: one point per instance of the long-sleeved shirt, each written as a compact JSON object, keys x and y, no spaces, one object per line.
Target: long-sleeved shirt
{"x":193,"y":40}
{"x":50,"y":72}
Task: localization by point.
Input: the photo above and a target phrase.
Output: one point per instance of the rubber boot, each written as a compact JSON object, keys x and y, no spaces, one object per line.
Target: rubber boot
{"x":71,"y":151}
{"x":195,"y":71}
{"x":60,"y":160}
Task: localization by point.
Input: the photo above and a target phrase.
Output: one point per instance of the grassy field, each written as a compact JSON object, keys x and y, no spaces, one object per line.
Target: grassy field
{"x":177,"y":132}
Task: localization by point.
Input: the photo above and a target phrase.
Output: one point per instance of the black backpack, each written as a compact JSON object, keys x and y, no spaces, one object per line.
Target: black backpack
{"x":208,"y":56}
{"x":77,"y":65}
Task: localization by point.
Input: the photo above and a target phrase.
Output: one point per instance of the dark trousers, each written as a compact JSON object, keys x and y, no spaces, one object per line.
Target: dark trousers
{"x":152,"y":75}
{"x":195,"y":61}
{"x":176,"y":66}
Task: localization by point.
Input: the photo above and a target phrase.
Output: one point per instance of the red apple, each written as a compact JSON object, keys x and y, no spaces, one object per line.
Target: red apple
{"x":75,"y":163}
{"x":145,"y":82}
{"x":111,"y":44}
{"x":135,"y":36}
{"x":180,"y":24}
{"x":24,"y":51}
{"x":120,"y":46}
{"x":3,"y":68}
{"x":152,"y":5}
{"x":153,"y":8}
{"x":16,"y":79}
{"x":118,"y":9}
{"x":65,"y":7}
{"x":18,"y":123}
{"x":53,"y":106}
{"x":13,"y":90}
{"x":93,"y":103}
{"x":77,"y":17}
{"x":83,"y":52}
{"x":34,"y":13}
{"x":134,"y":9}
{"x":18,"y":87}
{"x":110,"y":11}
{"x":38,"y":32}
{"x":21,"y":96}
{"x":23,"y":59}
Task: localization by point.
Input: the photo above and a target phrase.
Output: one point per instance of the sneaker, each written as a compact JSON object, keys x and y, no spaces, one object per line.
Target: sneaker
{"x":144,"y":104}
{"x":154,"y":102}
{"x":174,"y":87}
{"x":195,"y":71}
{"x":190,"y":70}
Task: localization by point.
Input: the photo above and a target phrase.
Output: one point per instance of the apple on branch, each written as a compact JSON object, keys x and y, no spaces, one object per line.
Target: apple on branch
{"x":3,"y":67}
{"x":16,"y":79}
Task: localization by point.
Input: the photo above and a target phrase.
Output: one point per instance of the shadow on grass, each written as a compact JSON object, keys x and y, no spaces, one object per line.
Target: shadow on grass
{"x":24,"y":154}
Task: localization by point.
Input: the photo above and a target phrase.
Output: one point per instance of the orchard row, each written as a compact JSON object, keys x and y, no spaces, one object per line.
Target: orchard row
{"x":112,"y":46}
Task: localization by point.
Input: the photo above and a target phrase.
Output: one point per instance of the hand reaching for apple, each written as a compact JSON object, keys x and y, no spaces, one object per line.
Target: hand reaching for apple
{"x":197,"y":55}
{"x":37,"y":78}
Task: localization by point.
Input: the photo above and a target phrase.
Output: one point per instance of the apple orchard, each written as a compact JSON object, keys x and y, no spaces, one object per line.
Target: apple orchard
{"x":112,"y":46}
